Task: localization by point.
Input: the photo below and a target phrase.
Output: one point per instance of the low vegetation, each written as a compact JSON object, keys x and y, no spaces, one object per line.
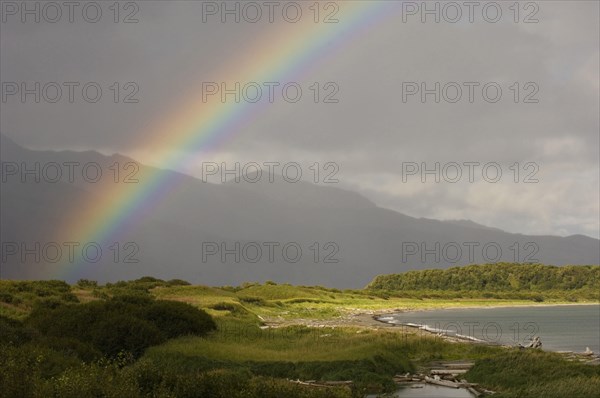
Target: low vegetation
{"x":502,"y":281}
{"x":155,"y":338}
{"x":535,"y":373}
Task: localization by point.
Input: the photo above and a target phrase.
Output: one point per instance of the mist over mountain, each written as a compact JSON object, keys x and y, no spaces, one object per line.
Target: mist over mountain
{"x":213,"y":233}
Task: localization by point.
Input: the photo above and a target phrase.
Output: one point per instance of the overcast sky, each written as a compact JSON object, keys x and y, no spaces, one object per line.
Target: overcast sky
{"x":371,"y":131}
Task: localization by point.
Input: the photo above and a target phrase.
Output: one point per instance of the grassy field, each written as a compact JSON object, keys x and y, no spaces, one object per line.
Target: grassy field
{"x":368,"y":354}
{"x":268,"y":333}
{"x":283,"y":302}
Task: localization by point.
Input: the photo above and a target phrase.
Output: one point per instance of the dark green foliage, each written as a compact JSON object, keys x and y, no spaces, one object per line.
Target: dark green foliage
{"x":222,"y":383}
{"x":124,"y":323}
{"x":13,"y":331}
{"x":178,"y":282}
{"x":496,"y":280}
{"x":175,"y":319}
{"x":114,"y":333}
{"x":224,"y":307}
{"x":129,"y":302}
{"x":373,"y":374}
{"x":42,"y":288}
{"x":87,"y":284}
{"x":252,"y":300}
{"x":88,"y":350}
{"x":141,"y":286}
{"x":69,"y":347}
{"x":37,"y":288}
{"x":40,"y":373}
{"x":306,"y":300}
{"x":22,"y":295}
{"x":21,"y":366}
{"x":535,"y":373}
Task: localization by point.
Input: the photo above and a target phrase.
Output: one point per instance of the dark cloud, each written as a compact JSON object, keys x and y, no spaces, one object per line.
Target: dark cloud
{"x":370,"y":132}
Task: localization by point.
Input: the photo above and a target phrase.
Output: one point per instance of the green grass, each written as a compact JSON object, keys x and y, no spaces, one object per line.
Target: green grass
{"x":286,"y":344}
{"x":534,"y":373}
{"x":260,"y":359}
{"x":369,"y":357}
{"x":269,"y":300}
{"x":239,"y":342}
{"x":287,"y":302}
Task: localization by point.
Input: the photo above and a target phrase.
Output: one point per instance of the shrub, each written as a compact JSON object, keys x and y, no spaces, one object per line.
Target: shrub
{"x":116,"y":333}
{"x":124,"y":323}
{"x":177,"y":319}
{"x":87,"y":284}
{"x":223,"y":307}
{"x":13,"y":331}
{"x":6,"y":297}
{"x":252,"y":300}
{"x":178,"y":282}
{"x":69,"y":346}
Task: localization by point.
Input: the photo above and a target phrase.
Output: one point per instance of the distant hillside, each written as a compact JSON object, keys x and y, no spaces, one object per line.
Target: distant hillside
{"x":345,"y":239}
{"x":504,"y":277}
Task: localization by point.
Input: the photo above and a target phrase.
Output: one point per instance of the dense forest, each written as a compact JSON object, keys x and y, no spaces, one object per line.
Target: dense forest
{"x":503,"y":277}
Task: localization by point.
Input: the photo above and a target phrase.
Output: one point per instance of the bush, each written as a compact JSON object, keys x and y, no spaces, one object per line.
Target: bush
{"x":178,"y":282}
{"x":116,"y":333}
{"x":124,"y":323}
{"x":13,"y":331}
{"x":26,"y":294}
{"x":223,"y":307}
{"x":87,"y":284}
{"x":252,"y":300}
{"x":69,"y":346}
{"x":6,"y":297}
{"x":177,"y":319}
{"x":23,"y":367}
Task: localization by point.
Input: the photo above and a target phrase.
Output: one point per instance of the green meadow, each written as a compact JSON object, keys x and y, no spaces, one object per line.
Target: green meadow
{"x":154,"y":338}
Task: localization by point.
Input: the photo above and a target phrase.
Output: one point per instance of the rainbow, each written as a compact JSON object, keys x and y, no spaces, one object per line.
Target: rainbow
{"x":197,"y":126}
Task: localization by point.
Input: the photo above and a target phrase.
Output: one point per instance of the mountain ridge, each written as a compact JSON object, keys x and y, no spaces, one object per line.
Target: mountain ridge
{"x":365,"y":239}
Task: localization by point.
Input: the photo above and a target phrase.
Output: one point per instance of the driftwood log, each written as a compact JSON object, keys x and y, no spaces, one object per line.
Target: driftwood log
{"x":445,"y":383}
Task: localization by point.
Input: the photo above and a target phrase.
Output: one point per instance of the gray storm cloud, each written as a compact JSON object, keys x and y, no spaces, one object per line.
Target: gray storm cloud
{"x":371,"y":132}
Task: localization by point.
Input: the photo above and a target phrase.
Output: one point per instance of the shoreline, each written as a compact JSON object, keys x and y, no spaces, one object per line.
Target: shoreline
{"x":378,"y":318}
{"x":472,"y":307}
{"x":374,"y":315}
{"x":369,"y":318}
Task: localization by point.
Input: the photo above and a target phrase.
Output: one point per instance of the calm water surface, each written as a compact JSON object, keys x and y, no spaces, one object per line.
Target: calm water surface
{"x":561,"y":328}
{"x":430,"y":391}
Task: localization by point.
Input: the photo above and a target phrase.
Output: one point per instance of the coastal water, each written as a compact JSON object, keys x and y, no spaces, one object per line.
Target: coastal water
{"x":560,"y":328}
{"x":428,"y":391}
